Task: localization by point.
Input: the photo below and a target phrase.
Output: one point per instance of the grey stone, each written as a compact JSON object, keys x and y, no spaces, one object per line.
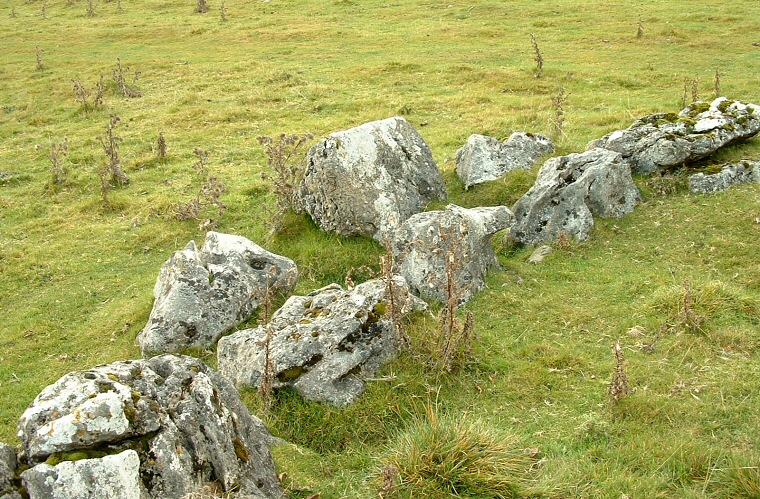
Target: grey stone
{"x":662,"y":142}
{"x":184,"y":420}
{"x":7,"y":469}
{"x":323,"y":344}
{"x":483,"y":158}
{"x":115,"y":477}
{"x":424,"y":242}
{"x":569,"y":191}
{"x":200,"y":295}
{"x":737,"y":173}
{"x":539,"y":254}
{"x":369,"y":179}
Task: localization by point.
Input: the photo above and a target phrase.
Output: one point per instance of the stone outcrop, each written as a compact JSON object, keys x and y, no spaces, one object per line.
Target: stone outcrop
{"x":737,"y":173}
{"x":201,"y":294}
{"x":661,"y":142}
{"x":569,"y":191}
{"x":483,"y":158}
{"x":114,"y":476}
{"x":424,"y":243}
{"x":322,"y":344}
{"x":8,"y":489}
{"x":369,"y":179}
{"x":184,"y":422}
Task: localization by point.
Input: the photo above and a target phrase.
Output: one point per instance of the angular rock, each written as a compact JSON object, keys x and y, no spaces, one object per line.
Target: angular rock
{"x":184,"y":420}
{"x":7,"y":470}
{"x":369,"y":179}
{"x":424,"y":243}
{"x":738,"y":173}
{"x":322,"y":344}
{"x":661,"y":142}
{"x":114,"y":476}
{"x":200,"y":295}
{"x":569,"y":191}
{"x":483,"y":158}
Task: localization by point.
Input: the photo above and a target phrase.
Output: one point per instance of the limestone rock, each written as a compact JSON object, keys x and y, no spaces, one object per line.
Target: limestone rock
{"x":200,"y":295}
{"x":369,"y":179}
{"x":424,"y":242}
{"x":738,"y":173}
{"x":184,"y":420}
{"x":7,"y":470}
{"x":322,"y":344}
{"x":483,"y":158}
{"x":569,"y":191}
{"x":115,"y":477}
{"x":660,"y":142}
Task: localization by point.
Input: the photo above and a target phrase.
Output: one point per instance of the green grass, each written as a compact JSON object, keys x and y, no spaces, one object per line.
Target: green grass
{"x":77,"y":274}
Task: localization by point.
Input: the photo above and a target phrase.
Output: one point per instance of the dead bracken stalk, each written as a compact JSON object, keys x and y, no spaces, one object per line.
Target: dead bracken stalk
{"x":389,"y":477}
{"x":619,"y":384}
{"x":558,"y":102}
{"x":394,"y":307}
{"x":82,"y":95}
{"x":209,"y":195}
{"x":161,"y":146}
{"x":538,"y":57}
{"x":687,"y":317}
{"x":200,"y":165}
{"x":90,"y":8}
{"x":288,"y":168}
{"x":716,"y":89}
{"x":267,"y":375}
{"x":38,"y":54}
{"x":223,"y":11}
{"x":44,"y":10}
{"x":121,"y":82}
{"x":14,"y":14}
{"x":202,"y":7}
{"x":640,"y":29}
{"x":455,"y":340}
{"x":690,"y":85}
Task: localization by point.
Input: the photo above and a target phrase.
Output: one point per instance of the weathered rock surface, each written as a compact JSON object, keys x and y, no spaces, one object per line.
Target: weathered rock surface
{"x":184,"y":420}
{"x":425,"y":241}
{"x":322,"y":344}
{"x":7,"y":472}
{"x":369,"y":179}
{"x":115,"y":477}
{"x":200,"y":295}
{"x":483,"y":158}
{"x":569,"y":191}
{"x":660,"y":142}
{"x":738,"y":173}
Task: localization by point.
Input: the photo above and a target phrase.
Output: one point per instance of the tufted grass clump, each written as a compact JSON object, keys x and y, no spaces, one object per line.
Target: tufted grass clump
{"x":445,"y":455}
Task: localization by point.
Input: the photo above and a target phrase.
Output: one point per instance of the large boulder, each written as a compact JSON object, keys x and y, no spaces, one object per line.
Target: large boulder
{"x":113,"y":476}
{"x":8,"y":489}
{"x":201,"y":294}
{"x":569,"y":191}
{"x":369,"y":179}
{"x":483,"y":158}
{"x":737,"y":173}
{"x":323,"y":344}
{"x":185,"y":422}
{"x":435,"y":247}
{"x":661,"y":142}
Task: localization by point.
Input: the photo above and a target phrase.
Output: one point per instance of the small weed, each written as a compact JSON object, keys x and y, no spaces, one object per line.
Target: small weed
{"x":456,"y":338}
{"x":564,"y":241}
{"x":44,"y":10}
{"x":619,"y":385}
{"x":640,"y":28}
{"x":267,"y":376}
{"x":90,"y":8}
{"x":288,"y":171}
{"x":57,"y":157}
{"x":38,"y":54}
{"x":539,"y":58}
{"x":202,"y":7}
{"x":209,"y":195}
{"x":119,"y":8}
{"x":716,"y":83}
{"x":82,"y":95}
{"x":558,"y":102}
{"x":394,"y":309}
{"x":111,"y":171}
{"x":690,"y":85}
{"x":161,"y":146}
{"x":14,"y":14}
{"x":223,"y":11}
{"x":121,"y":82}
{"x":200,"y":165}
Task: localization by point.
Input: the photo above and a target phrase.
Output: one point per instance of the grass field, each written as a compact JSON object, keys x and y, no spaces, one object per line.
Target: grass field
{"x":78,"y":268}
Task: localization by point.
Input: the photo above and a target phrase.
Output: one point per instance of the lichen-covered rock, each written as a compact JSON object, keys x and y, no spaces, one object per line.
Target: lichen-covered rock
{"x":369,"y":179}
{"x":114,"y":476}
{"x":200,"y":295}
{"x":7,"y":471}
{"x":569,"y":191}
{"x":184,"y":420}
{"x":483,"y":158}
{"x":322,"y":344}
{"x":425,"y":241}
{"x":661,"y":142}
{"x":737,"y":173}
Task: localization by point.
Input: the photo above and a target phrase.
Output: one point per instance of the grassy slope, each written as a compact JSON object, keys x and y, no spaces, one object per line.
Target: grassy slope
{"x":77,"y":276}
